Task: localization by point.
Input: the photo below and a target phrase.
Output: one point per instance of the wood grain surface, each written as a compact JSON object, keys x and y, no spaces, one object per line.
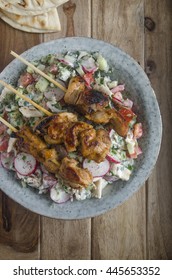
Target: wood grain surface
{"x":141,"y":228}
{"x":158,"y":63}
{"x":19,"y":228}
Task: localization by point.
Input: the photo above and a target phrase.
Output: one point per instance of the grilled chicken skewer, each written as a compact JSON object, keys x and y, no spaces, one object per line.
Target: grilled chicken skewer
{"x":89,"y":102}
{"x":66,"y":168}
{"x":64,"y":128}
{"x":93,"y":105}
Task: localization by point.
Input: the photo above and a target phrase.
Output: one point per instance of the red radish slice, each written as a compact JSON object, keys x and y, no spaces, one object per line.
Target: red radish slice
{"x":112,"y":158}
{"x":118,"y":88}
{"x":118,"y":96}
{"x":54,"y":92}
{"x":128,"y":103}
{"x":25,"y":164}
{"x":111,"y":178}
{"x":97,"y":169}
{"x":7,"y":160}
{"x":89,"y":65}
{"x":49,"y":180}
{"x":58,"y":195}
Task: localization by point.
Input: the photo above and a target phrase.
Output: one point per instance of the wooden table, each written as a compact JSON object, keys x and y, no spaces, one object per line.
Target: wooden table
{"x":141,"y":228}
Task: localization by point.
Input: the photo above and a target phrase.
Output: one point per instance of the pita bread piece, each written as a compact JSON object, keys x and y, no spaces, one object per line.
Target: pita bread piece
{"x":44,"y":23}
{"x":29,"y":7}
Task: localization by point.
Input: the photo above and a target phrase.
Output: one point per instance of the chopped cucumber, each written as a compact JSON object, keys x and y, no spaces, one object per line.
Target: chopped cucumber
{"x":30,"y":70}
{"x":42,"y":84}
{"x":64,"y":74}
{"x":102,"y":63}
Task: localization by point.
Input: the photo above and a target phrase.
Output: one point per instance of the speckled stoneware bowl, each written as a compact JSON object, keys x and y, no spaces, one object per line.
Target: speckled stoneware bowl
{"x":146,"y":107}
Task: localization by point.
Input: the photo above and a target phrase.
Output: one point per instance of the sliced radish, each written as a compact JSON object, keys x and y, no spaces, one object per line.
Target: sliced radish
{"x":112,"y":158}
{"x":118,"y":88}
{"x":89,"y":65}
{"x":7,"y":160}
{"x":128,"y":103}
{"x":58,"y":194}
{"x":49,"y":180}
{"x":25,"y":164}
{"x":54,"y":92}
{"x":111,"y":178}
{"x":97,"y":169}
{"x":118,"y":96}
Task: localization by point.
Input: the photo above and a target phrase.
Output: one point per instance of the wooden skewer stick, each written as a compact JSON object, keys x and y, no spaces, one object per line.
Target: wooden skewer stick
{"x":26,"y":98}
{"x":8,"y":124}
{"x":38,"y":71}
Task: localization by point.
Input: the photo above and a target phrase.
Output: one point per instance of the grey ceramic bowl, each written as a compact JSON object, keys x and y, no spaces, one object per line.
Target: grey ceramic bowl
{"x":146,"y":106}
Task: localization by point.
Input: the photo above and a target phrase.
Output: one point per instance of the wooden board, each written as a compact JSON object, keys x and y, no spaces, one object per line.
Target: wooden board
{"x":19,"y":228}
{"x":120,"y":234}
{"x":158,"y":64}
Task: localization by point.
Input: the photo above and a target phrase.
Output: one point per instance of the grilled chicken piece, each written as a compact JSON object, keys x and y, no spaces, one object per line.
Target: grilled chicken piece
{"x":66,"y":133}
{"x":95,"y":144}
{"x":73,"y":175}
{"x":91,"y":101}
{"x":55,"y":133}
{"x":111,"y":116}
{"x":65,"y":129}
{"x":30,"y":141}
{"x":53,"y":128}
{"x":86,"y":101}
{"x":34,"y":145}
{"x":75,"y":87}
{"x":72,"y":135}
{"x":62,"y":117}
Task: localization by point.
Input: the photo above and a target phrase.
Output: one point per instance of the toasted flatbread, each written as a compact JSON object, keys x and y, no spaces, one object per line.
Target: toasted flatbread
{"x":47,"y":22}
{"x":29,"y":7}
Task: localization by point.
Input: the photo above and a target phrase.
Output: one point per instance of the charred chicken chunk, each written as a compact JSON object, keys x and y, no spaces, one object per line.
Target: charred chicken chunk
{"x":74,"y":175}
{"x":112,"y":117}
{"x":53,"y":128}
{"x":95,"y":144}
{"x":75,"y":87}
{"x":33,"y":144}
{"x":85,"y":100}
{"x":72,"y":135}
{"x":62,"y":117}
{"x":66,"y":130}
